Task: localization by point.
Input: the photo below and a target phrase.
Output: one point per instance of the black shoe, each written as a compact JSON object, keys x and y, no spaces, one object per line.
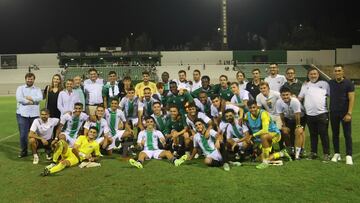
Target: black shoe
{"x":22,"y":155}
{"x":46,"y":172}
{"x":312,"y":156}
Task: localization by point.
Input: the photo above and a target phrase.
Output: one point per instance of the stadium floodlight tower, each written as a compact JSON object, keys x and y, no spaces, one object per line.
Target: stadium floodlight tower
{"x":224,"y":42}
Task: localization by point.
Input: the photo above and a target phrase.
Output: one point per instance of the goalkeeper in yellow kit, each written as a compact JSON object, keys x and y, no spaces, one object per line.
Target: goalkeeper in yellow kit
{"x":85,"y":149}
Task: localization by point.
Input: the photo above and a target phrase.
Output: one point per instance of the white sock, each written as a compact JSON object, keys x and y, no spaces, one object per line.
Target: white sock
{"x":297,"y":152}
{"x":36,"y":156}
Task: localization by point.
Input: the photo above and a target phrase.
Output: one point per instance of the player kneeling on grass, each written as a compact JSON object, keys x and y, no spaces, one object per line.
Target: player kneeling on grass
{"x":40,"y":134}
{"x":210,"y":144}
{"x":86,"y":150}
{"x":148,"y":139}
{"x":261,"y":125}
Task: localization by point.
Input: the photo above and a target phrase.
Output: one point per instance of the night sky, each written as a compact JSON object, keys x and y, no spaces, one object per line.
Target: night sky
{"x":27,"y":24}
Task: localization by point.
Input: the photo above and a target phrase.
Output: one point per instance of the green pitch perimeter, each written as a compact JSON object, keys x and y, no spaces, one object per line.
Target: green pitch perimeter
{"x":159,"y":181}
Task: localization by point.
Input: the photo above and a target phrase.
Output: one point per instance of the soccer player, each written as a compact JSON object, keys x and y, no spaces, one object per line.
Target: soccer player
{"x":86,"y":149}
{"x":205,"y":87}
{"x":241,"y":96}
{"x":342,"y":101}
{"x":210,"y":144}
{"x":293,"y":119}
{"x":178,"y":97}
{"x":176,"y":131}
{"x":241,"y":79}
{"x":218,"y":108}
{"x":192,"y":115}
{"x":274,"y":79}
{"x":237,"y":134}
{"x":139,"y":88}
{"x":267,"y":100}
{"x":203,"y":103}
{"x":223,"y":89}
{"x":111,"y":90}
{"x":197,"y":80}
{"x":103,"y":131}
{"x":183,"y":81}
{"x":159,"y":117}
{"x":148,"y":101}
{"x":133,"y":109}
{"x":116,"y":121}
{"x":148,"y":139}
{"x":314,"y":93}
{"x":71,"y":123}
{"x":41,"y":134}
{"x":262,"y":127}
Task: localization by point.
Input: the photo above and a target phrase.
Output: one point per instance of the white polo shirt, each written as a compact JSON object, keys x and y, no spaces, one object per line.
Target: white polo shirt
{"x":289,"y":109}
{"x":315,"y":95}
{"x":44,"y":130}
{"x":93,"y":90}
{"x":269,"y":102}
{"x":276,"y":82}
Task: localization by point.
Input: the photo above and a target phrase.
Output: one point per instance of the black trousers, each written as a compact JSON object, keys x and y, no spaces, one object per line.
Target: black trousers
{"x":336,"y":118}
{"x":318,"y":125}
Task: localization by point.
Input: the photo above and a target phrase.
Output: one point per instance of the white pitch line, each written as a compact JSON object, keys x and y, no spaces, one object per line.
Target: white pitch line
{"x":9,"y":146}
{"x":12,"y":135}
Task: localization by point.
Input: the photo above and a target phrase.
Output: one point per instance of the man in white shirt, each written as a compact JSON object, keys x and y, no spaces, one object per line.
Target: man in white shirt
{"x":314,"y":93}
{"x":182,"y":80}
{"x":148,"y":139}
{"x":73,"y":122}
{"x":293,"y":120}
{"x":196,"y":84}
{"x":275,"y":80}
{"x":41,"y":134}
{"x":67,"y":98}
{"x":103,"y":137}
{"x":267,"y":100}
{"x":241,"y":96}
{"x":28,"y":98}
{"x":93,"y":91}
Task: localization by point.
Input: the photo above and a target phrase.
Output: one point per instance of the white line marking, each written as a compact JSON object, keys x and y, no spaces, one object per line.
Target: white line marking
{"x":12,"y":135}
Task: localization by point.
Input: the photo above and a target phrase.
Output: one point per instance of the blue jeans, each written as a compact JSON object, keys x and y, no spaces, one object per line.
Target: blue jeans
{"x":24,"y":124}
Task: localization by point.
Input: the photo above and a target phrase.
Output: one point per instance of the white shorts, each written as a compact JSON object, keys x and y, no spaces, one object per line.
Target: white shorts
{"x":153,"y":154}
{"x":118,"y":135}
{"x":215,"y":155}
{"x":70,"y":140}
{"x":134,"y":121}
{"x":277,"y":120}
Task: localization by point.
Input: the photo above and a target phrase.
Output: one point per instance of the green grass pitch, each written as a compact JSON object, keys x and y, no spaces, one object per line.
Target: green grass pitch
{"x":159,"y":181}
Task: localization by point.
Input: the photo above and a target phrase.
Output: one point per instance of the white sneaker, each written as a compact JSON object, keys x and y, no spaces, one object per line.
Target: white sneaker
{"x":83,"y":164}
{"x":226,"y":167}
{"x":50,"y":166}
{"x":336,"y":157}
{"x":235,"y":163}
{"x":93,"y":164}
{"x":349,"y":160}
{"x":36,"y":160}
{"x":48,"y":157}
{"x":196,"y":156}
